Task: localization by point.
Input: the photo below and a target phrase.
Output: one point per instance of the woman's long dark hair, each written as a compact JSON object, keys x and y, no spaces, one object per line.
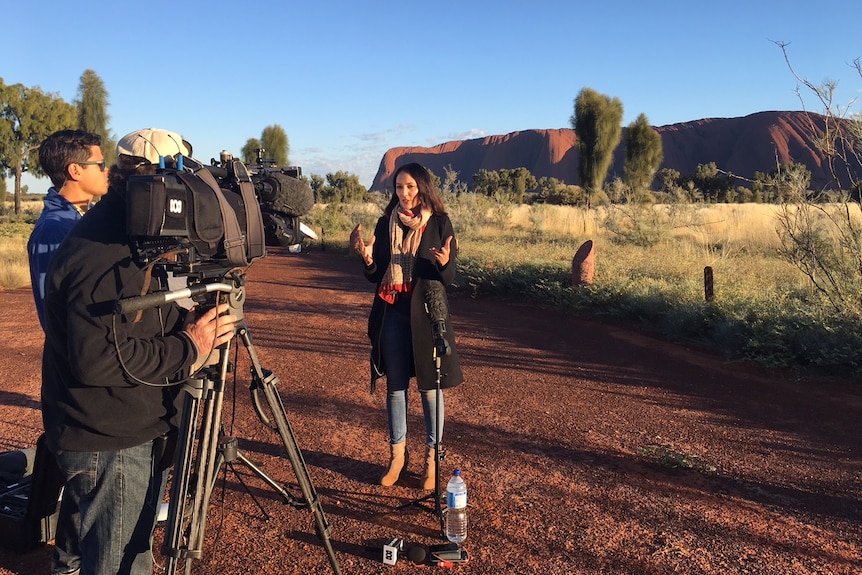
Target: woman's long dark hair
{"x":429,"y":197}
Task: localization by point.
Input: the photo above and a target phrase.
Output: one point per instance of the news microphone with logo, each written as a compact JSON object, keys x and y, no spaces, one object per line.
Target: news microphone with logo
{"x":395,"y":549}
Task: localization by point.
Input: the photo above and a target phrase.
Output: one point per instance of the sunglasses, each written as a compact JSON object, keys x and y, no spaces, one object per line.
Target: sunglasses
{"x":100,"y":163}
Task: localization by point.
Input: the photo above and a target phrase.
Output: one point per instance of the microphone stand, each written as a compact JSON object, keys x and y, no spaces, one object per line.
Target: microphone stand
{"x":440,"y":349}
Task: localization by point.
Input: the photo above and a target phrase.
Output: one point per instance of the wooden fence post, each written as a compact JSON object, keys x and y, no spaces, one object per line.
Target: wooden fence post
{"x":708,"y":286}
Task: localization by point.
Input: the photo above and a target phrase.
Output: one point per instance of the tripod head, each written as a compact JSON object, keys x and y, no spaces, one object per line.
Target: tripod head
{"x":203,"y":288}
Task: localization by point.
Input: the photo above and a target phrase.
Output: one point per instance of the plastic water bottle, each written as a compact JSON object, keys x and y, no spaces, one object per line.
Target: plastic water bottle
{"x":456,"y":508}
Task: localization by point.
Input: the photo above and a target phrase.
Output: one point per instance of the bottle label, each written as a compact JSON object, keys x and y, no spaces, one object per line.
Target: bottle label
{"x":456,"y":500}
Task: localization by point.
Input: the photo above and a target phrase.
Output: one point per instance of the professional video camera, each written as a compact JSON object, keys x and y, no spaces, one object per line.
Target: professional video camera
{"x":284,"y":198}
{"x":213,"y":216}
{"x":207,"y":223}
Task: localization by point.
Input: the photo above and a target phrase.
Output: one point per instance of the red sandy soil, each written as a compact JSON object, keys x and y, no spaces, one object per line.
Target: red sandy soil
{"x":587,"y":448}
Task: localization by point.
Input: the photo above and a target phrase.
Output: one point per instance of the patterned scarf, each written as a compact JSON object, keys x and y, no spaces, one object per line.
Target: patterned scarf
{"x":399,"y":274}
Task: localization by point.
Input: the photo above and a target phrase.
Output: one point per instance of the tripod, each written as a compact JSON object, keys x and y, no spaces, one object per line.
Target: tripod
{"x":195,"y":473}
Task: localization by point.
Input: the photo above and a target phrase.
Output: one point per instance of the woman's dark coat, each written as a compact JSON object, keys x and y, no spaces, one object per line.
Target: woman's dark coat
{"x":425,"y":269}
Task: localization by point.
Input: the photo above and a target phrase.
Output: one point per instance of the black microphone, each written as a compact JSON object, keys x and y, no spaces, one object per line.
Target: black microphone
{"x":438,"y":311}
{"x":390,"y":553}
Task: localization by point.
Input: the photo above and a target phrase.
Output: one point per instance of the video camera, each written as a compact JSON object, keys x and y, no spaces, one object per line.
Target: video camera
{"x":217,"y":217}
{"x":284,"y":197}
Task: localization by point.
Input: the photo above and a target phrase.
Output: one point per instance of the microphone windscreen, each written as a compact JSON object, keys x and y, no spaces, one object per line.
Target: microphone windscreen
{"x":284,"y":193}
{"x":417,"y":553}
{"x":435,"y":301}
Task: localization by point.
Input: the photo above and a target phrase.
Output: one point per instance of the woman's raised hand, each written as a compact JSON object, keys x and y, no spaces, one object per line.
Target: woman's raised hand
{"x":442,"y":254}
{"x":360,"y":247}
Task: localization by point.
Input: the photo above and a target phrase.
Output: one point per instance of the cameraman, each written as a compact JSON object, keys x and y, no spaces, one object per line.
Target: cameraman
{"x":73,"y":161}
{"x":109,"y":381}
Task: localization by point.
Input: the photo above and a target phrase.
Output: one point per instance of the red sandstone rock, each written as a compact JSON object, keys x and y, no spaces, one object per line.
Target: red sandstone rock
{"x":741,"y":146}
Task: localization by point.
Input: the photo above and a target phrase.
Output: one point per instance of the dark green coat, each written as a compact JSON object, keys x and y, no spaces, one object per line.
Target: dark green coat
{"x":424,"y":363}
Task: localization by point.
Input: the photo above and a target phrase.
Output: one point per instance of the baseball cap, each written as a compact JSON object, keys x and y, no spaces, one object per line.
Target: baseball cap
{"x":151,"y":143}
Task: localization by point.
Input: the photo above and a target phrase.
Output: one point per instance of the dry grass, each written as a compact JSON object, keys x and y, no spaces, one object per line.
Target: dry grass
{"x":737,"y":240}
{"x":14,"y":269}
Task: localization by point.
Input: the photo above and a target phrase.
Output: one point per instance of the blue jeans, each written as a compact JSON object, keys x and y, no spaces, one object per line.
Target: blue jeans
{"x":67,"y":555}
{"x":118,"y":495}
{"x":396,"y":345}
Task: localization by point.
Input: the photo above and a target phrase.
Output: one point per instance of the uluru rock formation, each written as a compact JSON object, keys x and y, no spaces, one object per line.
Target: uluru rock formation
{"x":741,"y":146}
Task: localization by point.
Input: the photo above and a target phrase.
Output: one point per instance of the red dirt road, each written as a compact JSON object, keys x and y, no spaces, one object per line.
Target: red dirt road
{"x":564,"y":430}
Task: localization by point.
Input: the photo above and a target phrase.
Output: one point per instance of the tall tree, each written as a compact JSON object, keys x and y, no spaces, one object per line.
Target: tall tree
{"x":644,"y":155}
{"x":598,"y":125}
{"x":28,"y":116}
{"x":273,"y":140}
{"x":92,"y":104}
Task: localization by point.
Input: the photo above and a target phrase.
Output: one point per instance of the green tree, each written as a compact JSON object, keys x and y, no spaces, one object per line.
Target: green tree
{"x":341,"y":187}
{"x":598,"y":125}
{"x":644,"y":155}
{"x":318,"y":185}
{"x":92,"y":105}
{"x":28,"y":116}
{"x":249,"y":151}
{"x":713,"y":184}
{"x":553,"y":191}
{"x":486,"y":182}
{"x":507,"y":186}
{"x":789,"y":179}
{"x":273,"y":140}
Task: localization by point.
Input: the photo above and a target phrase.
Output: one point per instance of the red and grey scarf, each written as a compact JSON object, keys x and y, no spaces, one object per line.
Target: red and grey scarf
{"x":405,"y":233}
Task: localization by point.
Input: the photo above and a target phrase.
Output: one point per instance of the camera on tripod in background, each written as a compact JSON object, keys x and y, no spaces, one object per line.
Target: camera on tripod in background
{"x":284,"y":197}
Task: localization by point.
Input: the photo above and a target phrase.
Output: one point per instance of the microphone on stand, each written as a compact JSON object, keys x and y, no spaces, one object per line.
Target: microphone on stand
{"x":437,"y":309}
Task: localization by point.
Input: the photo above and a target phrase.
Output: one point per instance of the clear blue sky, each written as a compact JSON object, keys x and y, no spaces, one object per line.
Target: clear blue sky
{"x":348,"y":80}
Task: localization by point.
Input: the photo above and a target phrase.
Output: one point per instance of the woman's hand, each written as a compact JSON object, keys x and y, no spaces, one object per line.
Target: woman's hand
{"x":442,"y":254}
{"x":359,"y":246}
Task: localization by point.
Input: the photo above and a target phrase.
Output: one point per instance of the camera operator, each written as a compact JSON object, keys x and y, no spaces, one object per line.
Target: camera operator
{"x":74,"y":162}
{"x":108,"y":381}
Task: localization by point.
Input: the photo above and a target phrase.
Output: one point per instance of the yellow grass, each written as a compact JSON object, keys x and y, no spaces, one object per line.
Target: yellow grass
{"x":14,"y":269}
{"x":738,"y":241}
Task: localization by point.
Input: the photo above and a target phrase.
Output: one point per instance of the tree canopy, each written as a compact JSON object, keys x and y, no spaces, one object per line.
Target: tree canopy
{"x":643,"y":154}
{"x":92,"y":104}
{"x":28,"y":116}
{"x":598,"y":124}
{"x":273,"y":140}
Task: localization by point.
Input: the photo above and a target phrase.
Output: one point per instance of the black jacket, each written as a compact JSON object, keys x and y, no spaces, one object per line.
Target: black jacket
{"x":436,"y":231}
{"x":90,"y":398}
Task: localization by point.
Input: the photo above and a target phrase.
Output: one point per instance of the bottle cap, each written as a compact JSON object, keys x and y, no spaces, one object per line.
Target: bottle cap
{"x":456,"y":472}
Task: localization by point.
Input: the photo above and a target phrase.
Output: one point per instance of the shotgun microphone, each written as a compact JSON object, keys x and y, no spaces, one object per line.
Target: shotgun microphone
{"x":438,"y":311}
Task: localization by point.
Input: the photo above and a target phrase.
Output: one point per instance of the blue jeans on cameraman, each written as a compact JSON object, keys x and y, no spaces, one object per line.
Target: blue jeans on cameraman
{"x":119,"y":494}
{"x":397,"y":349}
{"x":67,"y":555}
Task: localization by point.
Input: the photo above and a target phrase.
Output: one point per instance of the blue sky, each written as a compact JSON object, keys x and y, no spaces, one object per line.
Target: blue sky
{"x":348,"y":80}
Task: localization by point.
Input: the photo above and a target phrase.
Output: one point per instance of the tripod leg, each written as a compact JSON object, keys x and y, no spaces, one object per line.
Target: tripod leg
{"x":267,"y":382}
{"x":210,"y":392}
{"x":288,"y":498}
{"x":172,"y":547}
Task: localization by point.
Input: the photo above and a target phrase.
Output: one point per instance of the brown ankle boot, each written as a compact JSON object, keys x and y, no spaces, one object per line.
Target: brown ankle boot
{"x":430,"y":469}
{"x":398,"y":460}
